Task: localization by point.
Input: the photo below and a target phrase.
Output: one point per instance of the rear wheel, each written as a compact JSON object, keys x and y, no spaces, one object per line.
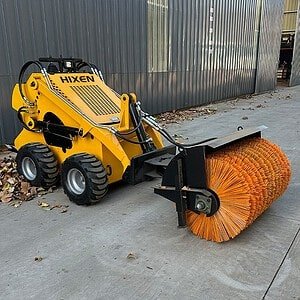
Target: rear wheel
{"x":84,"y":179}
{"x":37,"y":163}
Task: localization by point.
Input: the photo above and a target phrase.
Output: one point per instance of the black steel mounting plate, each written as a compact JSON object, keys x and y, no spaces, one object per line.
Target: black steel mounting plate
{"x":137,"y":170}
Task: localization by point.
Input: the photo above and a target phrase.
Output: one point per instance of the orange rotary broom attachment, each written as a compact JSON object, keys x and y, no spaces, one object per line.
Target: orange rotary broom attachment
{"x":222,"y":186}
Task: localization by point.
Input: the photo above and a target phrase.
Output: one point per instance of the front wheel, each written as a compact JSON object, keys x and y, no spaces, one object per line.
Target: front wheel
{"x":84,"y":179}
{"x":37,"y":163}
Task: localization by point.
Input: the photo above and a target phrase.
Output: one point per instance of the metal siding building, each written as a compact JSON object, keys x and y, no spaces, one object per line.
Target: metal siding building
{"x":295,"y":74}
{"x":269,"y":45}
{"x":173,"y":53}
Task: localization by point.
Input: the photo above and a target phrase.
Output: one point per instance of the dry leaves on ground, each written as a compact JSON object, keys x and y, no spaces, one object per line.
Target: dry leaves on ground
{"x":177,"y":116}
{"x":13,"y":187}
{"x":46,"y":206}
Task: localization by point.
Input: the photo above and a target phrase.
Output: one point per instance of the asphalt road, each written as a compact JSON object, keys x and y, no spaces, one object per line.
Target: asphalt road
{"x":84,"y":250}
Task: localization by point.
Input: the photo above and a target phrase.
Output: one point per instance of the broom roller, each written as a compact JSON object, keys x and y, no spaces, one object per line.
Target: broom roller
{"x":242,"y":180}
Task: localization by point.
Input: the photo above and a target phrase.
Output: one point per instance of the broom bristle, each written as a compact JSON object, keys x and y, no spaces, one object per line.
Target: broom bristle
{"x":247,"y":177}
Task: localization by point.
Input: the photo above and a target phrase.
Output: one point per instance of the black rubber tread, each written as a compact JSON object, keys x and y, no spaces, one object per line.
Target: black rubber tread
{"x":94,"y":174}
{"x":45,"y":162}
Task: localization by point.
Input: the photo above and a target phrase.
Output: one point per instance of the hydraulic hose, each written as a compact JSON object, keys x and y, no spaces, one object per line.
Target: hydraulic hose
{"x":85,"y":64}
{"x":24,"y":109}
{"x":21,"y":75}
{"x":130,"y":141}
{"x":132,"y":130}
{"x":179,"y":145}
{"x":152,"y":122}
{"x":93,"y":68}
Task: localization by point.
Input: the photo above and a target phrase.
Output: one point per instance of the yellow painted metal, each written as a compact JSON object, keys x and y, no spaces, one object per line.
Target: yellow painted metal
{"x":124,"y":114}
{"x":83,"y":101}
{"x":133,"y":97}
{"x":90,"y":94}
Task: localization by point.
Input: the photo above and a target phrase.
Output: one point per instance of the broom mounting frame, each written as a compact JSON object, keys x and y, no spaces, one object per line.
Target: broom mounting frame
{"x":184,"y":179}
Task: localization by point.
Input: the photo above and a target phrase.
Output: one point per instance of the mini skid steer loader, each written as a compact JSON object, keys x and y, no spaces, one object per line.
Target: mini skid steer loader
{"x":78,"y":130}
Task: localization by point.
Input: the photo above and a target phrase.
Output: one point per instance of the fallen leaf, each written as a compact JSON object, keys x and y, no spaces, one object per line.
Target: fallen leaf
{"x":57,"y":205}
{"x":260,"y":106}
{"x":5,"y":198}
{"x":38,"y":258}
{"x":11,"y":189}
{"x":131,"y":255}
{"x":25,"y":186}
{"x":16,"y":203}
{"x":44,"y":205}
{"x":11,"y":180}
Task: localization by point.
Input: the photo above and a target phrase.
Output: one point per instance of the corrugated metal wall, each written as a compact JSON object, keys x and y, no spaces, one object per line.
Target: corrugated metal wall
{"x":204,"y":53}
{"x":173,"y":53}
{"x":295,"y":73}
{"x":290,"y":16}
{"x":269,"y":45}
{"x":109,"y":33}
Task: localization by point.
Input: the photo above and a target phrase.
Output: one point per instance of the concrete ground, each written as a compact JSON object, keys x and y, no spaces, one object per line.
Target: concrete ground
{"x":84,"y":250}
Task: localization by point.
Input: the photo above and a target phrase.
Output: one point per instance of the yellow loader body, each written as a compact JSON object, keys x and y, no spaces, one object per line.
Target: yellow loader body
{"x":83,"y":101}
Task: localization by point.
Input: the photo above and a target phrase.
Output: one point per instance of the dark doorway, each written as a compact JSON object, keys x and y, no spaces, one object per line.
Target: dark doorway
{"x":285,"y":59}
{"x":287,"y":42}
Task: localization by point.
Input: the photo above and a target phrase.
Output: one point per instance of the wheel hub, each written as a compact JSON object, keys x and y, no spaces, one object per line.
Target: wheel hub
{"x":29,"y":168}
{"x":207,"y":202}
{"x":76,"y":181}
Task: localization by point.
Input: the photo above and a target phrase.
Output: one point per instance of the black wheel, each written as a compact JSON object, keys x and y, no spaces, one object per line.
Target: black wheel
{"x":38,"y":165}
{"x":84,"y":179}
